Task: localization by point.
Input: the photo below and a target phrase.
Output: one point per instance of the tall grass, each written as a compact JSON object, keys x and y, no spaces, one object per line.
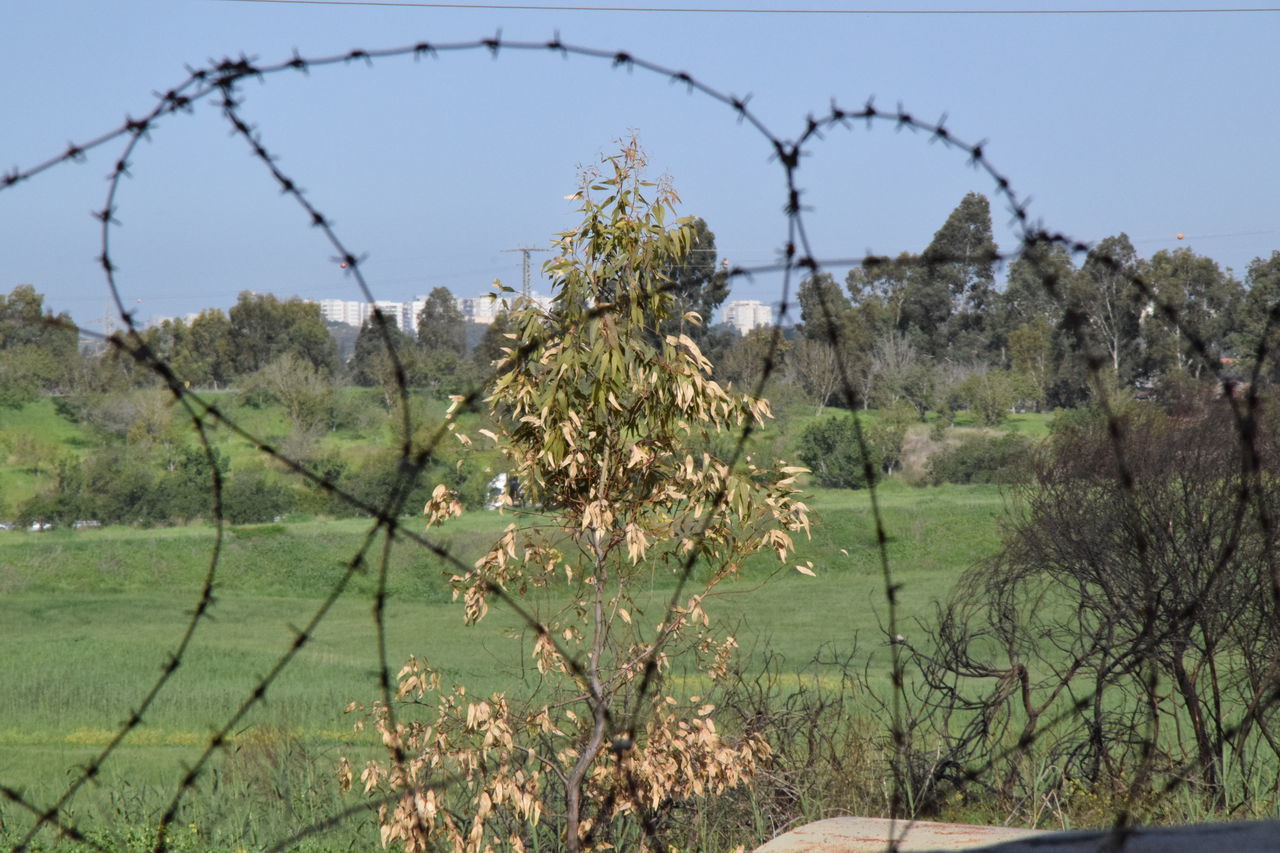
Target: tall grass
{"x":88,"y":616}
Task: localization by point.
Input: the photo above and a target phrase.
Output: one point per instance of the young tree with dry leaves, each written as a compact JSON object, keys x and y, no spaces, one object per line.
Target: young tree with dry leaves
{"x":601,"y":411}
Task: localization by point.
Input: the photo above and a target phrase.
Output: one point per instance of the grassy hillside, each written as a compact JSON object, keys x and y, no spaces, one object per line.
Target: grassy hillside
{"x":32,"y":438}
{"x":148,"y":435}
{"x":40,"y":435}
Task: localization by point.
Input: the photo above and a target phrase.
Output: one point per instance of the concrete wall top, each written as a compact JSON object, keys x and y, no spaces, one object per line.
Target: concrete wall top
{"x":871,"y":835}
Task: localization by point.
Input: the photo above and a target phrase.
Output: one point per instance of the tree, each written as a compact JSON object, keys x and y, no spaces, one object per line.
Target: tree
{"x":743,"y":361}
{"x":494,"y":341}
{"x":263,"y":328}
{"x":344,"y":340}
{"x":1258,"y":336}
{"x":489,"y":350}
{"x":842,"y":456}
{"x":1031,"y":352}
{"x":697,"y":283}
{"x":598,"y":411}
{"x":440,"y":324}
{"x":956,"y":283}
{"x":186,"y":489}
{"x":991,"y":394}
{"x":1128,"y":621}
{"x":1107,"y":297}
{"x":37,"y":348}
{"x":1038,"y":282}
{"x":831,"y":450}
{"x":371,"y":364}
{"x":880,"y":287}
{"x":205,"y":360}
{"x":836,"y":333}
{"x":1195,"y":309}
{"x":442,"y":340}
{"x":815,"y":365}
{"x":963,"y":254}
{"x":306,"y":397}
{"x":899,"y":372}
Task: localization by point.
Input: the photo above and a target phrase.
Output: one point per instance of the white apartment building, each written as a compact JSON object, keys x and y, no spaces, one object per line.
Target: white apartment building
{"x":415,"y":308}
{"x":354,"y":312}
{"x":398,"y":313}
{"x":479,"y":309}
{"x":350,"y":311}
{"x":747,"y":314}
{"x":482,"y":309}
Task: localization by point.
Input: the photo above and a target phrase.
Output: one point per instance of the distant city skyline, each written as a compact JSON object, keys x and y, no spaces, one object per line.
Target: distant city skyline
{"x":743,"y":314}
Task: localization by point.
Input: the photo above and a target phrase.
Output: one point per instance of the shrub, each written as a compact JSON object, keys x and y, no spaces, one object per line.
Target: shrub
{"x":251,"y":497}
{"x":982,"y":459}
{"x":991,"y":395}
{"x":831,"y":450}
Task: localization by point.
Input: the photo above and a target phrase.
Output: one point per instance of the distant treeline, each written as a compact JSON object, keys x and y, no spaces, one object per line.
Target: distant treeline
{"x":930,"y":330}
{"x":917,"y":337}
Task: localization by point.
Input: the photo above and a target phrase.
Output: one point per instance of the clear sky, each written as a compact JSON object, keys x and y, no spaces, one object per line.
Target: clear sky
{"x":1150,"y":123}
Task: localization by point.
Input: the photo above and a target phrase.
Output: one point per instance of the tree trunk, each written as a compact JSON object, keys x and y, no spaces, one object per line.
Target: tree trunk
{"x":1207,"y":756}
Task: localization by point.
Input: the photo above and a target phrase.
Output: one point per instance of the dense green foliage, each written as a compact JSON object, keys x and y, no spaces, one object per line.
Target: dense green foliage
{"x":1003,"y":459}
{"x":696,"y":284}
{"x":37,"y":348}
{"x":844,"y":454}
{"x":933,"y":329}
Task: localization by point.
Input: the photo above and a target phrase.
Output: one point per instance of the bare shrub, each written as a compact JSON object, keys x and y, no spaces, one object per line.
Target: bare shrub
{"x":1126,"y":635}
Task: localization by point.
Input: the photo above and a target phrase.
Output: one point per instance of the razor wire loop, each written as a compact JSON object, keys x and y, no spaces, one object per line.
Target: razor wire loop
{"x":797,"y":255}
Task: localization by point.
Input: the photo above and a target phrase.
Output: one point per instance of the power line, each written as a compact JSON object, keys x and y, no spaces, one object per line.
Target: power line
{"x":524,"y":7}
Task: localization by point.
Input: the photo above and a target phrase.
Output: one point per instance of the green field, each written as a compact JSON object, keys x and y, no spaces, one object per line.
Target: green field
{"x":89,"y":617}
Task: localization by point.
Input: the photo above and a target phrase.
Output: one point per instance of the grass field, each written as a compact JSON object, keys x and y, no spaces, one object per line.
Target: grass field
{"x":88,"y":618}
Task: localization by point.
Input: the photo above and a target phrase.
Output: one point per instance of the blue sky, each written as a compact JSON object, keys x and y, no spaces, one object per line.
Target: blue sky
{"x":1152,"y":124}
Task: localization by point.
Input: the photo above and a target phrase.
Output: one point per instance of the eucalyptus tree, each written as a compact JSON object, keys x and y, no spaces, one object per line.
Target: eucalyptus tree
{"x":950,"y":297}
{"x":1110,"y":303}
{"x":698,"y":282}
{"x":1194,"y":308}
{"x":598,"y":415}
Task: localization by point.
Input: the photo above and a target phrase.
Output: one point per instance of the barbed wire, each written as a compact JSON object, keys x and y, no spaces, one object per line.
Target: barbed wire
{"x":219,"y":83}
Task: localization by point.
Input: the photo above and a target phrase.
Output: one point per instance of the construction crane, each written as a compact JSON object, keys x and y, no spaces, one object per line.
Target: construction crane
{"x":526,"y":251}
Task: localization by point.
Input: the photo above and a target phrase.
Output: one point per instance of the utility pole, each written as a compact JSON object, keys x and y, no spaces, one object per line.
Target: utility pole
{"x":526,"y":251}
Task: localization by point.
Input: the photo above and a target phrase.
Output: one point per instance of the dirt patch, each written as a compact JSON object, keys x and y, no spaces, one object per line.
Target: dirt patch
{"x":917,"y":446}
